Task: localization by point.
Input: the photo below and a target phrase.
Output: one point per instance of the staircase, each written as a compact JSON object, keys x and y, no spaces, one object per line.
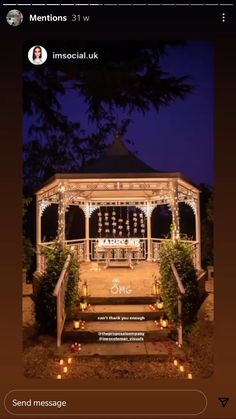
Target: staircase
{"x":122,"y":326}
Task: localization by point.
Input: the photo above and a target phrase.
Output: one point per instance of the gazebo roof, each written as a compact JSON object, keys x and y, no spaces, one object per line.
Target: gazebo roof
{"x":118,"y":159}
{"x":117,"y":164}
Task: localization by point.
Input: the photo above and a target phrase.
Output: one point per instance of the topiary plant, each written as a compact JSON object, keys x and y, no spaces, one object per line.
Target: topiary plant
{"x":180,"y":253}
{"x":45,"y":301}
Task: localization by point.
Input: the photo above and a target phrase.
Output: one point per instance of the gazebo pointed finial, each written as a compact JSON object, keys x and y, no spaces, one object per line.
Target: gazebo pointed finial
{"x":118,"y":133}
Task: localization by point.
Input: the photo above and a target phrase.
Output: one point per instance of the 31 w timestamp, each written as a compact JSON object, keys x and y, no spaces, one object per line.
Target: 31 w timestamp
{"x":80,"y":18}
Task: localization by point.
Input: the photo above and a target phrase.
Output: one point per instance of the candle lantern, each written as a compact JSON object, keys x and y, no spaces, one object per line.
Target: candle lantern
{"x":164,"y":321}
{"x":76,"y":324}
{"x":83,"y":304}
{"x":154,"y":288}
{"x":65,"y":369}
{"x":61,"y":362}
{"x":85,"y":289}
{"x":159,"y":303}
{"x":156,"y":282}
{"x":69,"y":360}
{"x":175,"y":362}
{"x":59,"y":377}
{"x":181,"y":368}
{"x":190,"y":376}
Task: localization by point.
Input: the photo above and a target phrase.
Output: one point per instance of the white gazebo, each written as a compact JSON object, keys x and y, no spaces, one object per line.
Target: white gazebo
{"x":118,"y":179}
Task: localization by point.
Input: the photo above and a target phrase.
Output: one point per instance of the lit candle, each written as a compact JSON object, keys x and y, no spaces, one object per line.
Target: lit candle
{"x":85,"y":289}
{"x":190,"y":376}
{"x":154,"y":289}
{"x":59,"y":377}
{"x":181,"y":368}
{"x":76,"y":324}
{"x":164,"y":321}
{"x":159,"y":303}
{"x":175,"y":362}
{"x":65,"y":369}
{"x":69,"y":360}
{"x":61,"y":362}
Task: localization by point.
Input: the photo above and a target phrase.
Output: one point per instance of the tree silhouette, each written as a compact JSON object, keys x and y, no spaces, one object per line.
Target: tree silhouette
{"x":125,"y":78}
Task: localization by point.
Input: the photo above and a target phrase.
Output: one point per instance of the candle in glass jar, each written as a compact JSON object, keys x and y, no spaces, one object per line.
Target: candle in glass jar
{"x":181,"y":368}
{"x":65,"y":369}
{"x":61,"y":362}
{"x":76,"y":324}
{"x":190,"y":376}
{"x":59,"y":377}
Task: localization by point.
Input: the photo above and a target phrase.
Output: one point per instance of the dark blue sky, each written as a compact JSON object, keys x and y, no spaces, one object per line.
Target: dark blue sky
{"x":180,"y":136}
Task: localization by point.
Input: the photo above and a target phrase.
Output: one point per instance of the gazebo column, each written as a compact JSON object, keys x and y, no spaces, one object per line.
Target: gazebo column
{"x":38,"y":235}
{"x":175,"y":211}
{"x":198,"y":233}
{"x":87,"y":232}
{"x":149,"y":232}
{"x":61,"y":215}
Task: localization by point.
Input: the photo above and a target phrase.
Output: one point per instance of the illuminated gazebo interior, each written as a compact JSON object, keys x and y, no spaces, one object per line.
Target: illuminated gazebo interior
{"x":117,"y":194}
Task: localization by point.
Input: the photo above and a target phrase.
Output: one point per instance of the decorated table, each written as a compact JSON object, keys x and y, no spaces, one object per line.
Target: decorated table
{"x":118,"y":252}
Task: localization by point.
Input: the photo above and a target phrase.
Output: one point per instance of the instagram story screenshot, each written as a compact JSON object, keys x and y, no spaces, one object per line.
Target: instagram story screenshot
{"x":118,"y":210}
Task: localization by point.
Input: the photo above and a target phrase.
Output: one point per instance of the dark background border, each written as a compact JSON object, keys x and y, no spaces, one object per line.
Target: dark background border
{"x":222,"y":383}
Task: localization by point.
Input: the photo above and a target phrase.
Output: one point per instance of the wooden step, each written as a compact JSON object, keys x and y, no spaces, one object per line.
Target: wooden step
{"x":121,"y":300}
{"x":162,"y":351}
{"x":114,"y":332}
{"x":115,"y":315}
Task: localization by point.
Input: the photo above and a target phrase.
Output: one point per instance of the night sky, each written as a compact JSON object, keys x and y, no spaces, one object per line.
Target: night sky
{"x":180,"y":136}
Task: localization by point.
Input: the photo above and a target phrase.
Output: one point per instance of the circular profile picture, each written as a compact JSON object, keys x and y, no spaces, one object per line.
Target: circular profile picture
{"x":14,"y":18}
{"x":37,"y":55}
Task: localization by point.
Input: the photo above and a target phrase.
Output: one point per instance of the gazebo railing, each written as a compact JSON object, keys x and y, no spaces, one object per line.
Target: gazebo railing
{"x":181,"y":292}
{"x":79,"y":247}
{"x":60,"y":294}
{"x":156,"y":245}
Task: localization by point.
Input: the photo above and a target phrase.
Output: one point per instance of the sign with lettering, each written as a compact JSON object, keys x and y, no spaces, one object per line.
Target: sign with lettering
{"x":117,"y":288}
{"x":119,"y":242}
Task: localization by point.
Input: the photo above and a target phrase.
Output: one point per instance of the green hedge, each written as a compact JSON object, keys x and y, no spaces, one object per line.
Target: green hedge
{"x":180,"y":254}
{"x":45,"y":301}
